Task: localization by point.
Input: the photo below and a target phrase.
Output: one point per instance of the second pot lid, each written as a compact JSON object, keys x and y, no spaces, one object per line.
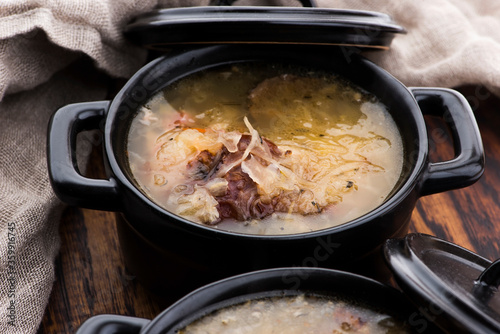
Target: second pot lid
{"x":161,"y":29}
{"x":454,"y":288}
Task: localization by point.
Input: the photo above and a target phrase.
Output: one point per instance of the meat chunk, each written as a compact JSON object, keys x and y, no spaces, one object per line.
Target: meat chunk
{"x":242,"y":200}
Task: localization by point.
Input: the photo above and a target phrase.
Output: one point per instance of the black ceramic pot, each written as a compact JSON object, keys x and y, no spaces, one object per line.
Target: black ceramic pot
{"x":161,"y":247}
{"x":265,"y":283}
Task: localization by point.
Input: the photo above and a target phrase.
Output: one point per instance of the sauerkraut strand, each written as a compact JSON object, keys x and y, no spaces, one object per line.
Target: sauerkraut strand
{"x":254,"y":140}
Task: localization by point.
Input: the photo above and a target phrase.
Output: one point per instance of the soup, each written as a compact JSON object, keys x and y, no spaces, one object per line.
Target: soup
{"x":296,"y":314}
{"x":265,"y":149}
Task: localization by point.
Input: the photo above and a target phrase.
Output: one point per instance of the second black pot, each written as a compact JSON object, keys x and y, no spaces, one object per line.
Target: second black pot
{"x":354,"y":289}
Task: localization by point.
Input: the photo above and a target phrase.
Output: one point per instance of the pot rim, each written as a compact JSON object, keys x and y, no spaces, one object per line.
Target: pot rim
{"x":417,"y":165}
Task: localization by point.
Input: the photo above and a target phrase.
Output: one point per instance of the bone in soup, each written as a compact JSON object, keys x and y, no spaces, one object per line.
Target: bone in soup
{"x":300,"y":314}
{"x":265,"y":149}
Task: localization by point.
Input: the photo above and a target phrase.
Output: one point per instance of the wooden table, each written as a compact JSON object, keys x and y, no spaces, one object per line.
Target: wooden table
{"x":91,"y":278}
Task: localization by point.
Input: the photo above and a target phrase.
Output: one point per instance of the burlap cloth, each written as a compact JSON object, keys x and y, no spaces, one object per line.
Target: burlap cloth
{"x":55,"y":52}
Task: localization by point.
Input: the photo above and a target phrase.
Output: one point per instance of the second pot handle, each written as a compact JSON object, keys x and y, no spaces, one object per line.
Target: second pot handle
{"x":468,"y":165}
{"x":68,"y":184}
{"x":112,"y":324}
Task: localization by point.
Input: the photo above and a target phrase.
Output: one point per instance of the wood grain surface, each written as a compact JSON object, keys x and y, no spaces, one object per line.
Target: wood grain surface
{"x":91,"y":278}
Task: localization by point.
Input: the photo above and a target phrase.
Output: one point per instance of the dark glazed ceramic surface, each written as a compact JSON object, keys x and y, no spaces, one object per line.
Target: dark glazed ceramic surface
{"x":274,"y":282}
{"x":156,"y":242}
{"x":457,"y":288}
{"x":162,"y":29}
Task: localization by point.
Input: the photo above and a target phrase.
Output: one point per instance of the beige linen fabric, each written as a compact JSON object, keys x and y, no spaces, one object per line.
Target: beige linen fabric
{"x":29,"y":211}
{"x":52,"y":53}
{"x":449,"y":42}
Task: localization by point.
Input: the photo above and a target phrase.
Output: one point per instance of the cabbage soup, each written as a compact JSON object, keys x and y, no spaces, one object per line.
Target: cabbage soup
{"x":265,"y":149}
{"x":299,"y":314}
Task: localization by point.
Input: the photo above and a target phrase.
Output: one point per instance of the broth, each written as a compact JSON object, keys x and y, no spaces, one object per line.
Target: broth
{"x":296,"y":314}
{"x":265,"y":149}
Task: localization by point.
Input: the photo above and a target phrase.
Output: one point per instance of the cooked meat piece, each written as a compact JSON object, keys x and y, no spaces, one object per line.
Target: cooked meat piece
{"x":242,"y":200}
{"x":200,"y":167}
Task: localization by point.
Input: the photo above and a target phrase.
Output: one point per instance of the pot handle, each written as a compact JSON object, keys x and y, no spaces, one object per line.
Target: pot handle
{"x":468,"y":164}
{"x":68,"y":184}
{"x":112,"y":324}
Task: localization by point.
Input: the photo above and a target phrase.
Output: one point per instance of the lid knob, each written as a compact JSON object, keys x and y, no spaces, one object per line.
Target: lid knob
{"x":487,"y":283}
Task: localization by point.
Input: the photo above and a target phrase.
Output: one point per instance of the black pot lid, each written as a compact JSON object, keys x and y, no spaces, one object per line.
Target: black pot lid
{"x":453,"y":287}
{"x":163,"y":28}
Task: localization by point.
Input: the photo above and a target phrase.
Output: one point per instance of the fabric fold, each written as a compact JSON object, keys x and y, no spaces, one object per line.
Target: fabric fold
{"x":38,"y":38}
